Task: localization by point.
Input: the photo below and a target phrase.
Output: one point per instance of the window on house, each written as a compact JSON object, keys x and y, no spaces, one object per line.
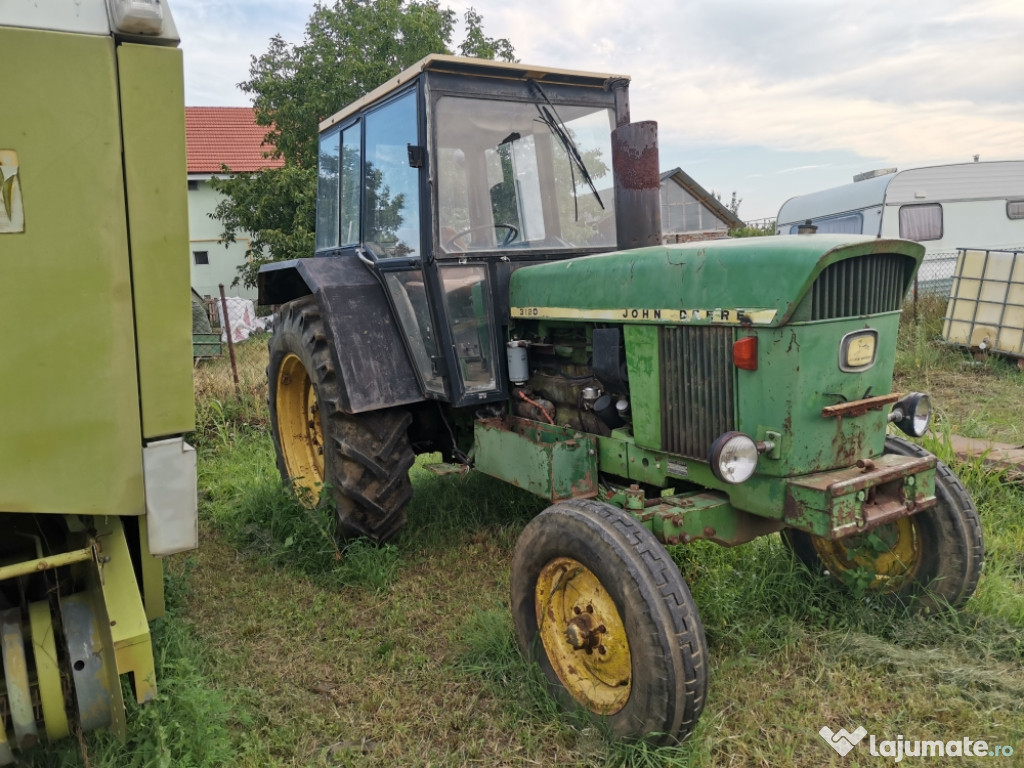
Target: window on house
{"x":193,"y":185}
{"x":201,"y":257}
{"x":682,"y":212}
{"x":921,"y":222}
{"x":1015,"y":209}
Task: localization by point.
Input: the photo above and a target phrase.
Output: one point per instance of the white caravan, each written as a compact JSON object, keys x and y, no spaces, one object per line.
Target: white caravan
{"x":944,"y":207}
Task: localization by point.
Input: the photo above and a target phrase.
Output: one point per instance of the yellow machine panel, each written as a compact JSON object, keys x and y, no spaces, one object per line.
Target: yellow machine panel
{"x":70,"y":385}
{"x":153,"y":116}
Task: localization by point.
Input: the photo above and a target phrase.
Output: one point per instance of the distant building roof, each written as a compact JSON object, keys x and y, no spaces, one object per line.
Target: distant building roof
{"x":698,"y":192}
{"x":217,"y":136}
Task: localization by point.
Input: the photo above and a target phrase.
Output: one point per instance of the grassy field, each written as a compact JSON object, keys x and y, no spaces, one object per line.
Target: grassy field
{"x":280,"y":649}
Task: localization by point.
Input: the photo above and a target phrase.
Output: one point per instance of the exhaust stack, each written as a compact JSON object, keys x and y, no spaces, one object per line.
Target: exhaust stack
{"x":637,"y":185}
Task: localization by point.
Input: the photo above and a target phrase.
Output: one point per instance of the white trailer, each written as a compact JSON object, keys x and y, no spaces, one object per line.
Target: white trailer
{"x":944,"y":207}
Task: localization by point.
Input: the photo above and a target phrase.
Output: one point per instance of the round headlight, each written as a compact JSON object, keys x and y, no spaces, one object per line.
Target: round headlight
{"x":920,"y":413}
{"x":914,"y":414}
{"x":733,"y":457}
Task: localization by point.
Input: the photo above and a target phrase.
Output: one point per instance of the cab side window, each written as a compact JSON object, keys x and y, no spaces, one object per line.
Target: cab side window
{"x":351,"y":154}
{"x":327,"y":191}
{"x":392,"y":214}
{"x":337,"y":189}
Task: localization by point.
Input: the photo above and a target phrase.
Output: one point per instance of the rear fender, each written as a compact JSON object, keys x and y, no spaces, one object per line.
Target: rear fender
{"x":373,"y":367}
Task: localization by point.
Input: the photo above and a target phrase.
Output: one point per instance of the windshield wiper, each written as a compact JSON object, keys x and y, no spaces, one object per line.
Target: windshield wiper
{"x":549,"y":116}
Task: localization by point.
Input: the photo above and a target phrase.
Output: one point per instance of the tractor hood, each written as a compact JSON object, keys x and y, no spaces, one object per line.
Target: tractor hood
{"x":750,"y":281}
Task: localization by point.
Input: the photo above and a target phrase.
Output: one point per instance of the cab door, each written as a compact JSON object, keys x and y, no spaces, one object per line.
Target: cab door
{"x":445,"y":310}
{"x":392,"y":241}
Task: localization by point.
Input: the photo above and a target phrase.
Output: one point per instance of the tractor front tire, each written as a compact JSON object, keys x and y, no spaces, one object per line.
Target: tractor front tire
{"x":928,"y":561}
{"x":600,"y":606}
{"x":362,"y":459}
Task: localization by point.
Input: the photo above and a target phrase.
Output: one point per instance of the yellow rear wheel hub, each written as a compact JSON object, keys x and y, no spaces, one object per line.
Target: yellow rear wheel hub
{"x":583,"y":636}
{"x":887,"y":558}
{"x":298,"y":429}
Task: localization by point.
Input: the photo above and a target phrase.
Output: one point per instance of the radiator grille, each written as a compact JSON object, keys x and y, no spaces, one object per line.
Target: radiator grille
{"x":696,"y":388}
{"x":860,"y":286}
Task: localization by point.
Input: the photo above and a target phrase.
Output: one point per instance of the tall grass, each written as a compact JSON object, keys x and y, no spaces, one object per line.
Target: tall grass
{"x":224,"y":412}
{"x":974,"y":394}
{"x":191,"y":724}
{"x":287,"y":649}
{"x":790,"y":650}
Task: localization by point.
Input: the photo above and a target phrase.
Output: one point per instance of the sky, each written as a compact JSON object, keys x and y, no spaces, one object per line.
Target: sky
{"x":765,"y":98}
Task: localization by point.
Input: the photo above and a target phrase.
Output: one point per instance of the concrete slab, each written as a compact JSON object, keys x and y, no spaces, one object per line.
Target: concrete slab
{"x":1000,"y":456}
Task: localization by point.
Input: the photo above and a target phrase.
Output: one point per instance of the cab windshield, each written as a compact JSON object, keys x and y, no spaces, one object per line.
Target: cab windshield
{"x":520,"y":175}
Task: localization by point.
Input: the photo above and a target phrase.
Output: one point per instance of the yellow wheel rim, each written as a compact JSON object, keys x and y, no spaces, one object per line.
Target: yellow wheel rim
{"x":298,"y":429}
{"x":883,"y":560}
{"x":583,"y":636}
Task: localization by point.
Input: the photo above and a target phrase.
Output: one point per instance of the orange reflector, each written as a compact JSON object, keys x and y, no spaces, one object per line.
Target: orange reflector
{"x":744,"y":353}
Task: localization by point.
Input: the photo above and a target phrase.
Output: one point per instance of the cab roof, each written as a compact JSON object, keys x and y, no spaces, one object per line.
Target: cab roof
{"x":463,"y":65}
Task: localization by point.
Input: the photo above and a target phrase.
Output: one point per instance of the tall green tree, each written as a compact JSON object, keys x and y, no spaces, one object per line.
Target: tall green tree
{"x":350,"y":47}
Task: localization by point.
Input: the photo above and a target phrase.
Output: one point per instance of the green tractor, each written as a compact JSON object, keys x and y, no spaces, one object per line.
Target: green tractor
{"x":490,"y":283}
{"x":96,"y":480}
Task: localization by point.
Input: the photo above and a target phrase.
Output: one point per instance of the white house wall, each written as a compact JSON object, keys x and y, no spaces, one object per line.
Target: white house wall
{"x":204,"y":235}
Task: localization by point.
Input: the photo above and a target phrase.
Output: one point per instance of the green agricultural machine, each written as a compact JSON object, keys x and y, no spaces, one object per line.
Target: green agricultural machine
{"x":96,"y":481}
{"x":490,"y":283}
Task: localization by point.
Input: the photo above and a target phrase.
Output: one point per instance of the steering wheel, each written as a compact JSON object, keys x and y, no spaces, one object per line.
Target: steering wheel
{"x":511,"y":235}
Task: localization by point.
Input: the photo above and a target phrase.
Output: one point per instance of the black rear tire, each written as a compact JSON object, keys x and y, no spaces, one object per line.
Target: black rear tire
{"x":600,"y":606}
{"x":946,"y":539}
{"x":363,"y":459}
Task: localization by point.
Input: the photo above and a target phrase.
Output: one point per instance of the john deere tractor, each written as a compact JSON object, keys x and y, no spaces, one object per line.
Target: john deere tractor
{"x":96,"y":480}
{"x":490,"y":283}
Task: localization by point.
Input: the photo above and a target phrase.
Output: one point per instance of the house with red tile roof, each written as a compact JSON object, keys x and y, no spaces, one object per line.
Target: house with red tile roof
{"x":216,"y":137}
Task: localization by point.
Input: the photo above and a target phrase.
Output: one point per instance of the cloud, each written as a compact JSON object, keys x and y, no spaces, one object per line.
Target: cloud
{"x":818,"y":77}
{"x":876,"y":83}
{"x":798,"y":168}
{"x":794,"y":116}
{"x":219,"y":38}
{"x":880,"y":78}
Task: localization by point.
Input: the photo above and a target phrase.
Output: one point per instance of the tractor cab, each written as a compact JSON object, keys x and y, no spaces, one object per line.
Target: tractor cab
{"x":450,"y":176}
